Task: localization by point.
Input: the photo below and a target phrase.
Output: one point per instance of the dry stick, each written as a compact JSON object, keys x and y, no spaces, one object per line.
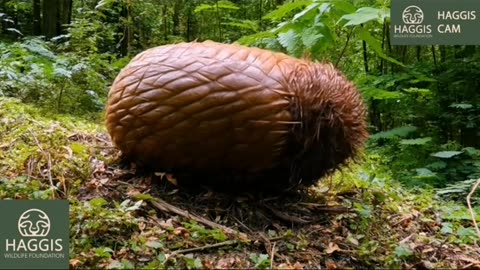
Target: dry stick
{"x":49,"y":160}
{"x":272,"y":256}
{"x":325,"y":208}
{"x":49,"y":171}
{"x":472,"y":214}
{"x":287,"y":218}
{"x":164,"y":206}
{"x":188,"y":250}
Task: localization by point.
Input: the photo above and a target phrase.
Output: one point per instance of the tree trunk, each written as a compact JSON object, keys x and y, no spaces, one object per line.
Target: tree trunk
{"x":189,"y":23}
{"x":56,"y":13}
{"x":50,"y":18}
{"x":176,"y":17}
{"x":3,"y":9}
{"x":125,"y":41}
{"x":165,"y":23}
{"x":219,"y":21}
{"x":66,"y":13}
{"x":260,"y":15}
{"x":37,"y":19}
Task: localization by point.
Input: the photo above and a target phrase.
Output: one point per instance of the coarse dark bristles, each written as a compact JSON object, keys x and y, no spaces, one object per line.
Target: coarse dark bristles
{"x":333,"y":122}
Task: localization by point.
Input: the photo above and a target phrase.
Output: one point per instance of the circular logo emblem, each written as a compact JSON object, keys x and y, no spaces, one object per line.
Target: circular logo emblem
{"x":34,"y":223}
{"x":412,"y":15}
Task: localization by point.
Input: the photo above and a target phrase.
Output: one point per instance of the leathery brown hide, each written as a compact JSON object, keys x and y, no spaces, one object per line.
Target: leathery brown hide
{"x":221,"y":113}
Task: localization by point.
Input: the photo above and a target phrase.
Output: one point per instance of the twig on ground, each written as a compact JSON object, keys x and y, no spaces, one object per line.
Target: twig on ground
{"x":272,"y":256}
{"x":287,"y":218}
{"x":104,"y":141}
{"x":216,"y":245}
{"x":49,"y":169}
{"x":166,"y":207}
{"x":49,"y":160}
{"x":277,"y":238}
{"x":266,"y":242}
{"x":472,"y":213}
{"x":242,"y":224}
{"x":404,"y":240}
{"x":325,"y":208}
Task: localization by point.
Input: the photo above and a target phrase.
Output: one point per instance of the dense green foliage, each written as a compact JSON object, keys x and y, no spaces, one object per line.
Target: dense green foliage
{"x":423,"y":101}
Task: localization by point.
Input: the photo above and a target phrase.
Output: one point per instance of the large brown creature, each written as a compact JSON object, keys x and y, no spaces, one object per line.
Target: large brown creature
{"x":215,"y":111}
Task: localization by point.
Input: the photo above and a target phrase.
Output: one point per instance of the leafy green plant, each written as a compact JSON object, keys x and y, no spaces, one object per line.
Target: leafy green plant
{"x":34,"y":73}
{"x":261,"y":261}
{"x":200,"y":233}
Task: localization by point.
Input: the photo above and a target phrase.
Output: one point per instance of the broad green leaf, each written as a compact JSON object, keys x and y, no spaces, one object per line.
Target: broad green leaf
{"x":35,"y":46}
{"x":446,"y":154}
{"x":126,"y":264}
{"x":380,"y":94}
{"x":363,"y":210}
{"x":103,"y":3}
{"x":249,"y":25}
{"x":306,"y":11}
{"x":363,"y":15}
{"x":437,"y":165}
{"x":203,"y":7}
{"x":375,"y":45}
{"x":423,"y":173}
{"x":345,"y":6}
{"x":214,"y":7}
{"x":282,"y":27}
{"x":78,"y":148}
{"x":135,"y":207}
{"x":310,"y":37}
{"x":420,"y":91}
{"x":289,"y":40}
{"x":396,"y":132}
{"x":418,"y":141}
{"x":462,"y":106}
{"x":227,"y":5}
{"x":285,"y":9}
{"x":97,"y":202}
{"x":104,"y":252}
{"x":144,"y":197}
{"x":251,"y":39}
{"x":422,"y":78}
{"x":154,"y":244}
{"x":450,"y":190}
{"x":403,"y":251}
{"x":324,"y":8}
{"x":62,"y":72}
{"x":458,"y":187}
{"x":261,"y":261}
{"x":471,"y":151}
{"x":467,"y":232}
{"x":14,"y":30}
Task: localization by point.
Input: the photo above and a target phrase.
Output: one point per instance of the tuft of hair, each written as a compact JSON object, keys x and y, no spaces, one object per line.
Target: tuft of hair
{"x":333,"y":125}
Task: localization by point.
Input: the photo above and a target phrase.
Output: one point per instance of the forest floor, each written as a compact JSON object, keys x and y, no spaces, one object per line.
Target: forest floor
{"x":118,"y":219}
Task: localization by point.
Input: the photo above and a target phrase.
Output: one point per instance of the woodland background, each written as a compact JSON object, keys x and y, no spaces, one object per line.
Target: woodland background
{"x":60,"y":56}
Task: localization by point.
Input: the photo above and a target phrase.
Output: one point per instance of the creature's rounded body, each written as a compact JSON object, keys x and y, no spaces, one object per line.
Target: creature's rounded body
{"x":226,"y":109}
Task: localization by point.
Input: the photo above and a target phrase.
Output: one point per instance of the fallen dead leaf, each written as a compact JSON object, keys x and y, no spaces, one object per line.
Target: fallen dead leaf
{"x":180,"y":230}
{"x":332,"y":247}
{"x":225,"y":263}
{"x":330,"y":264}
{"x":74,"y":262}
{"x":298,"y":266}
